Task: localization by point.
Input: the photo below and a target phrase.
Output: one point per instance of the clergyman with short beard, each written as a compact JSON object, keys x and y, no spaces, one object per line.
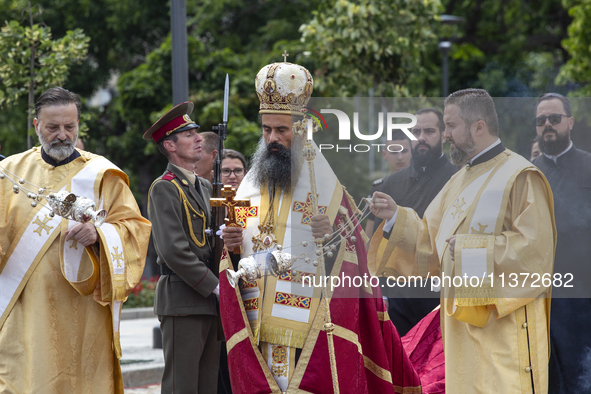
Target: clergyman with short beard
{"x":568,"y":171}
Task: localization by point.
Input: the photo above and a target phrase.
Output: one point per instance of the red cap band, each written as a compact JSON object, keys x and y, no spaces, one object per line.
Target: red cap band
{"x":171,"y":126}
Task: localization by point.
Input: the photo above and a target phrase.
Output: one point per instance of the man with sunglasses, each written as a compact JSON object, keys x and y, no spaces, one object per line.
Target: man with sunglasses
{"x":568,"y":171}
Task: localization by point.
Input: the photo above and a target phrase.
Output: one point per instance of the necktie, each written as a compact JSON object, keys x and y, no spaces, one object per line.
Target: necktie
{"x":198,"y":186}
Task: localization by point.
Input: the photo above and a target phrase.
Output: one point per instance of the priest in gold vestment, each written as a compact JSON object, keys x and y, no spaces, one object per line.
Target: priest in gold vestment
{"x":492,"y":223}
{"x":62,"y":283}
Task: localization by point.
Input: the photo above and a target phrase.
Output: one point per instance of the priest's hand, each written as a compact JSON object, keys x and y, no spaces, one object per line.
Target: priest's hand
{"x":383,"y":206}
{"x":321,"y":226}
{"x":452,"y":246}
{"x":232,"y":237}
{"x":84,"y":233}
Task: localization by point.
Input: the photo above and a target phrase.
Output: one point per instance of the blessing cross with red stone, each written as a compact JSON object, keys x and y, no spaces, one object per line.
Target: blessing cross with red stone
{"x":227,"y":200}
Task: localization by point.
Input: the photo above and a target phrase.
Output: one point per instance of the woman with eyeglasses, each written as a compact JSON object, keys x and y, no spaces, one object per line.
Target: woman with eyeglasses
{"x":233,"y":168}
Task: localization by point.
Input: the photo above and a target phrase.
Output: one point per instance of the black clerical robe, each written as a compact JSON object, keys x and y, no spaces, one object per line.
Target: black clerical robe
{"x":414,"y":187}
{"x":570,"y":357}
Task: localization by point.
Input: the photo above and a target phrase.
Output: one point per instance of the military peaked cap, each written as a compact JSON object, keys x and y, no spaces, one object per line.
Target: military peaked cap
{"x":174,"y":121}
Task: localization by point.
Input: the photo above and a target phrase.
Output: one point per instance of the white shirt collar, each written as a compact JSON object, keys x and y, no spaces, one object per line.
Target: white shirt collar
{"x":497,"y":142}
{"x":555,"y":158}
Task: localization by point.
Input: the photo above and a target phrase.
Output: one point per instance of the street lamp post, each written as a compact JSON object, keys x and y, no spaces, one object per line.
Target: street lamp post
{"x":444,"y":47}
{"x":180,"y":63}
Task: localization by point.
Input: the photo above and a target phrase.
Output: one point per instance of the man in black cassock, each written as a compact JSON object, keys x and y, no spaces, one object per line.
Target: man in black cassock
{"x":568,"y":171}
{"x":415,"y":187}
{"x":398,"y":154}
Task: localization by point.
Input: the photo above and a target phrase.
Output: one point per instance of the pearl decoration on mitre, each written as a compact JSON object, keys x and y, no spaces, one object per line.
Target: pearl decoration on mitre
{"x":284,"y":88}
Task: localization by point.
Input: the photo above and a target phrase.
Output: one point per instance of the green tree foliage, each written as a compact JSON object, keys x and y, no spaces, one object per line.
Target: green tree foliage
{"x":29,"y":55}
{"x":123,"y":33}
{"x":230,"y":37}
{"x":372,"y":43}
{"x":510,"y":48}
{"x":578,"y":44}
{"x":575,"y":75}
{"x":31,"y":62}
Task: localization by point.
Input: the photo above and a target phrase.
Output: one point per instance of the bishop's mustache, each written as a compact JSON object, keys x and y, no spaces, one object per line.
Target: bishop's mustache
{"x":276,"y":148}
{"x":549,"y":130}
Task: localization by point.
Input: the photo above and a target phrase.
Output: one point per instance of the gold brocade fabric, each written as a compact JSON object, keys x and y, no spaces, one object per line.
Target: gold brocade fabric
{"x":55,"y":340}
{"x":510,"y":353}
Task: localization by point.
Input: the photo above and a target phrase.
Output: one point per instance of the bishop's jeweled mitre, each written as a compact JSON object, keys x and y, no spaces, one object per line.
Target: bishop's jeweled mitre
{"x":283,"y":88}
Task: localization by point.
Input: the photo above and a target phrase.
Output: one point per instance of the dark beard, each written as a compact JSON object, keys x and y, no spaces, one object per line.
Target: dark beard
{"x":272,"y":168}
{"x":553,"y":147}
{"x":424,"y":159}
{"x":461,"y":153}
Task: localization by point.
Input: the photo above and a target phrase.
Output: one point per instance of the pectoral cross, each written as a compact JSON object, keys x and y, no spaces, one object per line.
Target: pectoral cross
{"x":227,"y":200}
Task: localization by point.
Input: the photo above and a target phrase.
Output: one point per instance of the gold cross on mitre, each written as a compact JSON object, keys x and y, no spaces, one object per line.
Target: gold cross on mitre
{"x":227,"y":200}
{"x":285,"y":55}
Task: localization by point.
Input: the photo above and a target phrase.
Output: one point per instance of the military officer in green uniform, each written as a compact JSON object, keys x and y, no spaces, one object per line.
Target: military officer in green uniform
{"x":187,"y":293}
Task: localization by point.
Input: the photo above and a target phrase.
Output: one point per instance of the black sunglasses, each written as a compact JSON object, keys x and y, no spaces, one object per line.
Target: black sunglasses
{"x":554,"y":119}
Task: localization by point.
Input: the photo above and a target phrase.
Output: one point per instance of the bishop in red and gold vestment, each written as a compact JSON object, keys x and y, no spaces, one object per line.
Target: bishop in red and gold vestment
{"x":274,"y":328}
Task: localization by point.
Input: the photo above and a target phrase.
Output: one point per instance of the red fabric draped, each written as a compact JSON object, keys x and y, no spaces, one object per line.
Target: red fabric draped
{"x":424,"y":347}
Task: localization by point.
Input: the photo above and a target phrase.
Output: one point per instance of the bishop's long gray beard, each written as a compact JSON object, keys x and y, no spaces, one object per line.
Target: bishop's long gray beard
{"x":272,"y":164}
